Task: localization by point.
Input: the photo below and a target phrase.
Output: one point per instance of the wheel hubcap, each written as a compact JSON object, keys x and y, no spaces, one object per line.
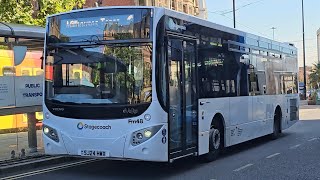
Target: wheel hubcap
{"x":215,"y":138}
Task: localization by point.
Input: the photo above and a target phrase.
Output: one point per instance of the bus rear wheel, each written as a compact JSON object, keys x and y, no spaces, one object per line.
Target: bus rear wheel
{"x":215,"y":142}
{"x":276,"y":125}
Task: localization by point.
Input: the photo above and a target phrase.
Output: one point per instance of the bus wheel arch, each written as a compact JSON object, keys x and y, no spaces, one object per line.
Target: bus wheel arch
{"x":218,"y":118}
{"x":216,"y":138}
{"x":277,"y":121}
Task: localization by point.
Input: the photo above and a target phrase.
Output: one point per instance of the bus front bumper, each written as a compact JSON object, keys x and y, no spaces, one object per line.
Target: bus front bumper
{"x":153,"y":149}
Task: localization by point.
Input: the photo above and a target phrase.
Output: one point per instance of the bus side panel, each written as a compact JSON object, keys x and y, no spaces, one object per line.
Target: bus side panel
{"x":240,"y":110}
{"x":262,"y":125}
{"x":208,"y":108}
{"x":290,"y":111}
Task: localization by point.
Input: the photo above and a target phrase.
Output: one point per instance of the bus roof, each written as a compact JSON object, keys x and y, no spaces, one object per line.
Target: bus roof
{"x":192,"y":19}
{"x":21,"y":30}
{"x":213,"y":25}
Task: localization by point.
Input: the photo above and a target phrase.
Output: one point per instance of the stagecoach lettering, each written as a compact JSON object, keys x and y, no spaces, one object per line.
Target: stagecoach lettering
{"x":138,"y":121}
{"x":58,"y":109}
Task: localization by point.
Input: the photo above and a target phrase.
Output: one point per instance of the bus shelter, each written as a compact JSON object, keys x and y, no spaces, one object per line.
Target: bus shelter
{"x":20,"y":90}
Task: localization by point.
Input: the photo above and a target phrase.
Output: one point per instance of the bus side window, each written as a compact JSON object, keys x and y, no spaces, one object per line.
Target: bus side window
{"x":244,"y":80}
{"x":254,"y":84}
{"x":253,"y":81}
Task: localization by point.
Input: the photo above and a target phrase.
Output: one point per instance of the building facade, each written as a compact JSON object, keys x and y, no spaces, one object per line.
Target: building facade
{"x":308,"y":72}
{"x":192,"y":7}
{"x":318,"y":44}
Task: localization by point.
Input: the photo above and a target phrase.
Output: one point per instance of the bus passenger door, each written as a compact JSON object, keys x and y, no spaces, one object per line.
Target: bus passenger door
{"x":183,"y":114}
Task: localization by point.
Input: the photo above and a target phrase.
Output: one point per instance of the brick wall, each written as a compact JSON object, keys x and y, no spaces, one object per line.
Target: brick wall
{"x":91,"y":3}
{"x":301,"y":74}
{"x":187,"y":6}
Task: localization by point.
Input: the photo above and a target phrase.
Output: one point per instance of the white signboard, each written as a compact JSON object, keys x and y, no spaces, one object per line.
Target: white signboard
{"x":28,"y":91}
{"x":7,"y":98}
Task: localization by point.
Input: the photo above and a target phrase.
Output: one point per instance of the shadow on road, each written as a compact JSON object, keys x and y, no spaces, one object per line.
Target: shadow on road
{"x":107,"y":169}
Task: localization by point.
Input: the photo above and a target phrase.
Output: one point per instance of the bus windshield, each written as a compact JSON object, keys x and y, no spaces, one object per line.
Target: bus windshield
{"x":100,"y":74}
{"x":104,"y":24}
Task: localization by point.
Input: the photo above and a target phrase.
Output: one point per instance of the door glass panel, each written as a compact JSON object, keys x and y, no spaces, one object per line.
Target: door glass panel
{"x":175,"y":93}
{"x":190,"y":92}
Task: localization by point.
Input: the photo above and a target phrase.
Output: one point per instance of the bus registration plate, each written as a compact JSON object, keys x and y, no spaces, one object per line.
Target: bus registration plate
{"x":93,"y":153}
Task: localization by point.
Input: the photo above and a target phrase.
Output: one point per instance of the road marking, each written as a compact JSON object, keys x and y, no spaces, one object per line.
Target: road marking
{"x":42,"y":171}
{"x":243,"y":167}
{"x":273,"y":155}
{"x":295,"y":146}
{"x":313,"y":139}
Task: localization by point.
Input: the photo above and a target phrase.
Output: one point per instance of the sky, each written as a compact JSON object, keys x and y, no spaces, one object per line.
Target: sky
{"x":259,"y":16}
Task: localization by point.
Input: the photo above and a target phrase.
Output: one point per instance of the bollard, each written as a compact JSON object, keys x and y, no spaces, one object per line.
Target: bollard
{"x":23,"y":153}
{"x":32,"y":132}
{"x":13,"y":154}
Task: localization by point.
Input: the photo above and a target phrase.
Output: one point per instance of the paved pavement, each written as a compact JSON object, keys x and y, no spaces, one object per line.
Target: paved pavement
{"x":16,"y":142}
{"x":295,"y":155}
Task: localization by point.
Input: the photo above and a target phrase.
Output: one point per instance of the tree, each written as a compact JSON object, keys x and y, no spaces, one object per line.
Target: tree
{"x":48,"y":7}
{"x":19,"y":11}
{"x":314,"y":77}
{"x":24,"y":12}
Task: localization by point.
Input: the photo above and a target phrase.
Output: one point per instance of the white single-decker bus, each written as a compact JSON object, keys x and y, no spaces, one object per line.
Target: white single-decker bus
{"x":152,"y":84}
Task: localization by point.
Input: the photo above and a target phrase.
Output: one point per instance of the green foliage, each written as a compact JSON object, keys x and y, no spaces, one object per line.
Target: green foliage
{"x":314,"y":77}
{"x":312,"y":98}
{"x":48,"y":7}
{"x":23,"y":12}
{"x":4,"y":47}
{"x":16,"y":11}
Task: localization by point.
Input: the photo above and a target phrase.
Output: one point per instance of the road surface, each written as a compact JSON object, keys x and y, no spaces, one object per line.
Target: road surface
{"x":295,"y":155}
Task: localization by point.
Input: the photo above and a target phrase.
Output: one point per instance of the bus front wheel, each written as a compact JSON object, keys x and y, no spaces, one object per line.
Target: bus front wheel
{"x":215,"y":142}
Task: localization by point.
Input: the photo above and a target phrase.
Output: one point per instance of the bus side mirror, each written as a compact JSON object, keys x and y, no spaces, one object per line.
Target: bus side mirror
{"x":19,"y":54}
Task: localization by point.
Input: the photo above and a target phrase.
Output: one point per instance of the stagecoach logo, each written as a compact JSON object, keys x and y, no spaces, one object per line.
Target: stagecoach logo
{"x":81,"y":126}
{"x":130,"y":111}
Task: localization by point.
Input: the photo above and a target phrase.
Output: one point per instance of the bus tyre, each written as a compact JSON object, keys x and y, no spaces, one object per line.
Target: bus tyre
{"x":276,"y":126}
{"x":215,"y":142}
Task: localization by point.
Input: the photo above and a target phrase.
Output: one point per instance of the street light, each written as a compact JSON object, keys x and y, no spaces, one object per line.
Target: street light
{"x":304,"y":56}
{"x":273,"y":28}
{"x":234,"y":14}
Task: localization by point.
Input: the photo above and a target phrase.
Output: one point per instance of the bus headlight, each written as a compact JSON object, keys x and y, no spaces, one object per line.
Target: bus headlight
{"x":50,"y":133}
{"x":147,"y":134}
{"x":46,"y":130}
{"x":139,"y":136}
{"x":143,"y":135}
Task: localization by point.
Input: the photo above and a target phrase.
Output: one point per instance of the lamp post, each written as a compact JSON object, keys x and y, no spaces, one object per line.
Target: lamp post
{"x":234,"y":14}
{"x":273,"y":28}
{"x":304,"y":56}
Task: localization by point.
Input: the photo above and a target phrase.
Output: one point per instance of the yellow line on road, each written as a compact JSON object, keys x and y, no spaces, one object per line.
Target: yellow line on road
{"x":42,"y":171}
